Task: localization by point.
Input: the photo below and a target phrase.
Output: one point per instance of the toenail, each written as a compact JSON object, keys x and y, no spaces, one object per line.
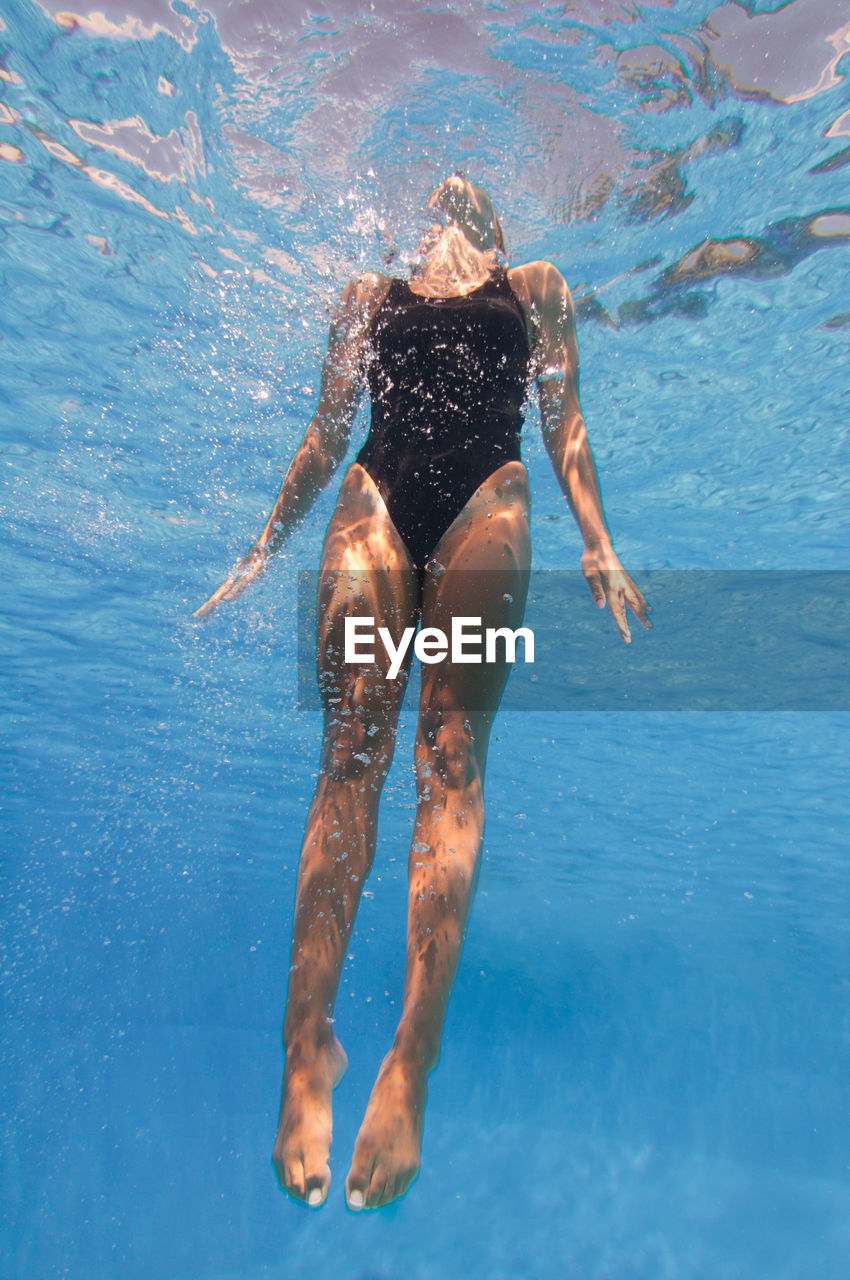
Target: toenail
{"x":315,"y":1197}
{"x":355,"y":1200}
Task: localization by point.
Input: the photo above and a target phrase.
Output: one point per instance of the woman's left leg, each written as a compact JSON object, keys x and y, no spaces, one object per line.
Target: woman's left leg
{"x":485,"y":557}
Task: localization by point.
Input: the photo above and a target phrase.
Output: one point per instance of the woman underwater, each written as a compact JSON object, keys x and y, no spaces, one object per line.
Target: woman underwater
{"x":432,"y":522}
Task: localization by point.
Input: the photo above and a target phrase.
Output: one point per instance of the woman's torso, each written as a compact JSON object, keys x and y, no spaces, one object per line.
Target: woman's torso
{"x":447,"y":372}
{"x":448,"y":379}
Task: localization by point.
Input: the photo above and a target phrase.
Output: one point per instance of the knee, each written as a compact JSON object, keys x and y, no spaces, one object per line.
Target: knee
{"x":445,"y":749}
{"x":356,"y":747}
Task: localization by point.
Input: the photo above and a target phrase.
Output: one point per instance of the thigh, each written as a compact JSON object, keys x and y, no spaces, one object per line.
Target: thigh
{"x":479,"y":570}
{"x":365,"y":573}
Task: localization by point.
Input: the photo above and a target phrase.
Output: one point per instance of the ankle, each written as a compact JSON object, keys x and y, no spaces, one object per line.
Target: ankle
{"x":311,"y":1043}
{"x":412,"y":1053}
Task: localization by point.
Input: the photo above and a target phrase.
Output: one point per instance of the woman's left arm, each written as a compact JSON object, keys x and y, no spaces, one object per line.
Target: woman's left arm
{"x":556,"y":367}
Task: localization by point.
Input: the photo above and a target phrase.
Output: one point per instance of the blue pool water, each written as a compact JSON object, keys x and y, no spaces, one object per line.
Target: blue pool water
{"x":645,"y":1067}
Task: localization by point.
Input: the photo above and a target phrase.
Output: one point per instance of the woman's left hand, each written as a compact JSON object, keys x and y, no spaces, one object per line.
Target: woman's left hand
{"x":610,"y":585}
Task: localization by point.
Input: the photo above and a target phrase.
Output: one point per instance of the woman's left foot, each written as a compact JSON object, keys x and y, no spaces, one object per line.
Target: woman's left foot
{"x":386,"y":1153}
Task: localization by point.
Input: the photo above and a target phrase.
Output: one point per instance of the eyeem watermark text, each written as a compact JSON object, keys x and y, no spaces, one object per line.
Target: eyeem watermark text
{"x":468,"y":643}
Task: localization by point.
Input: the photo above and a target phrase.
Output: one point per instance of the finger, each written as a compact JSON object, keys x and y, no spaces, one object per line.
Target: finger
{"x":236,"y":583}
{"x":207,"y":608}
{"x":639,"y":606}
{"x":229,"y":589}
{"x":639,"y":597}
{"x":224,"y":592}
{"x":617,"y":605}
{"x":594,"y":581}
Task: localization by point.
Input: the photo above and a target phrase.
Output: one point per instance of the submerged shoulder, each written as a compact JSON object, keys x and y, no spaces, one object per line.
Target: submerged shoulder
{"x":359,"y":301}
{"x":541,"y":286}
{"x":366,"y":291}
{"x":546,"y":300}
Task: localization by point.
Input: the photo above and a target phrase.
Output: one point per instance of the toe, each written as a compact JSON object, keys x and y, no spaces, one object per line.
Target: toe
{"x":357,"y":1188}
{"x":317,"y":1196}
{"x":393,"y":1189}
{"x":316,"y":1188}
{"x":294,"y":1180}
{"x":354,"y":1199}
{"x":404,"y":1182}
{"x":376,"y":1195}
{"x":358,"y":1181}
{"x":397,"y":1185}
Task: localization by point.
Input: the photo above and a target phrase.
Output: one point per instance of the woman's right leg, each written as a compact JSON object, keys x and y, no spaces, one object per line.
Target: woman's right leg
{"x":365,"y":572}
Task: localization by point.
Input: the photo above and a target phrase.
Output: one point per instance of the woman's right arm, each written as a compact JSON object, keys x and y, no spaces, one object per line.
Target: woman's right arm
{"x":326,"y":439}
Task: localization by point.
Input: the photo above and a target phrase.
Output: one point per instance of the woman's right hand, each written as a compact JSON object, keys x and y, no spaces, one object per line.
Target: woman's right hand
{"x":247,"y":571}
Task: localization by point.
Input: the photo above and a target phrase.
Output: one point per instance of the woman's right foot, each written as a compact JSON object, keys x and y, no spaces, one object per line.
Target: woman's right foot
{"x":303,"y":1142}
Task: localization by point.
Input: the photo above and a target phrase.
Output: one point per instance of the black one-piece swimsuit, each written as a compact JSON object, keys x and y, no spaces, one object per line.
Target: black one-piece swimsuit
{"x":447,"y":378}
